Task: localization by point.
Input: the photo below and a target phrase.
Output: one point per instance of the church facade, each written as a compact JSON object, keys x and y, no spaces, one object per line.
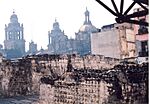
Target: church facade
{"x":60,"y":44}
{"x":57,"y":40}
{"x":14,"y":43}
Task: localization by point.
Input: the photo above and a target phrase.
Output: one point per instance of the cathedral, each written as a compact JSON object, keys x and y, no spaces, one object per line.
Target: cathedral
{"x":83,"y":37}
{"x":57,"y":40}
{"x":14,"y":42}
{"x":60,"y":44}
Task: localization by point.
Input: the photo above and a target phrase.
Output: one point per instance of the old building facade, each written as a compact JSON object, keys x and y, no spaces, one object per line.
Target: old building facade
{"x":141,"y":33}
{"x":14,"y":42}
{"x":115,"y":40}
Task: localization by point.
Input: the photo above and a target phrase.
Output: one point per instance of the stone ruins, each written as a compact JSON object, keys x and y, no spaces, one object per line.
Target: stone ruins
{"x":71,"y":79}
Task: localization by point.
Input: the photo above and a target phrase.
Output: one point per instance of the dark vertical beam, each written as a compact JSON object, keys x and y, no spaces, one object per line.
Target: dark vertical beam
{"x":130,"y":7}
{"x":106,"y":7}
{"x":121,"y":6}
{"x":115,"y":7}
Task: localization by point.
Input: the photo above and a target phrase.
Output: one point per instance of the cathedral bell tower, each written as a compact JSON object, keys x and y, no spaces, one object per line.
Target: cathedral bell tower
{"x":87,"y":18}
{"x":14,"y":42}
{"x":83,"y":37}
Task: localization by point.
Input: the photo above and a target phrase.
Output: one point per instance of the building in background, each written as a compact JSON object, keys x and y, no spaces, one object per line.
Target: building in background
{"x":32,"y":48}
{"x":83,"y":39}
{"x":57,"y":40}
{"x":72,"y":47}
{"x":141,"y":33}
{"x":114,"y":40}
{"x":60,"y":44}
{"x":14,"y":43}
{"x":2,"y":52}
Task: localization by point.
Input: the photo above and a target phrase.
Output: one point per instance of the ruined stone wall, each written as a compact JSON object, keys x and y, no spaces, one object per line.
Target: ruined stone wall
{"x":15,"y":78}
{"x":68,"y":90}
{"x":87,"y":92}
{"x":93,"y":62}
{"x":22,"y":76}
{"x":93,"y":92}
{"x":5,"y":75}
{"x":71,"y":77}
{"x":59,"y":63}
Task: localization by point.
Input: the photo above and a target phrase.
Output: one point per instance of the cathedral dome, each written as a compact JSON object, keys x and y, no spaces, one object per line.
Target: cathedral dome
{"x":56,"y":25}
{"x":88,"y":28}
{"x":14,"y":18}
{"x":13,"y":15}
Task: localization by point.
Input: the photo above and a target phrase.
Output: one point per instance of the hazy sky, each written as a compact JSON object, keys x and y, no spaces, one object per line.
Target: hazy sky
{"x":38,"y":16}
